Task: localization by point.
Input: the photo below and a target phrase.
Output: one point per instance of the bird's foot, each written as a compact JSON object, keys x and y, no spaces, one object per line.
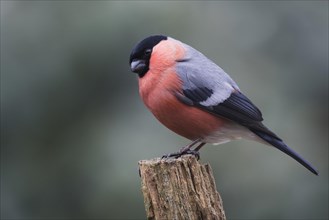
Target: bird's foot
{"x":181,"y":153}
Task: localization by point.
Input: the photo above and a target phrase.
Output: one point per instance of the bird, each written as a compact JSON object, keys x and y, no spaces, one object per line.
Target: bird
{"x":195,"y":98}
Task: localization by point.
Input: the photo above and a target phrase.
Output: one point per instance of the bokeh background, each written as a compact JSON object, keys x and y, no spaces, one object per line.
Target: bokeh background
{"x":73,"y":126}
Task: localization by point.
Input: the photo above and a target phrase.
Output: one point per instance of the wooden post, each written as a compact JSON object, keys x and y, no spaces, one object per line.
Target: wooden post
{"x":180,"y":189}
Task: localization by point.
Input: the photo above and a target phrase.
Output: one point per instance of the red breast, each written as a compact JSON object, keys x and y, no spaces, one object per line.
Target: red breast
{"x":158,"y":88}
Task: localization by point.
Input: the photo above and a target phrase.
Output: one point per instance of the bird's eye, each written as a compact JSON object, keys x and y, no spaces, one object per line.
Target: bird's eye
{"x":147,"y":52}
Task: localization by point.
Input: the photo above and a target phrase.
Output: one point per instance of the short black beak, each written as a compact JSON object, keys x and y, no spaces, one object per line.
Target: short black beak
{"x":137,"y":66}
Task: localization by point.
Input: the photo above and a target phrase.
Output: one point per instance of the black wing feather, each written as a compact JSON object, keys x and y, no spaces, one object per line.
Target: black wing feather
{"x":241,"y":104}
{"x":198,"y":94}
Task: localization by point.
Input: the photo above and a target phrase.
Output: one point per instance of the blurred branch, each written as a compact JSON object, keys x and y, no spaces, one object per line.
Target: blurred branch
{"x":180,"y":189}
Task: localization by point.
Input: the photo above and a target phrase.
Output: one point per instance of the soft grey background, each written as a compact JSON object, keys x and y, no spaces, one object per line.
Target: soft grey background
{"x":73,"y":126}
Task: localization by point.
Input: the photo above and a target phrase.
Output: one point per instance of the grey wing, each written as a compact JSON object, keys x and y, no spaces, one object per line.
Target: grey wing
{"x":208,"y":87}
{"x":197,"y":71}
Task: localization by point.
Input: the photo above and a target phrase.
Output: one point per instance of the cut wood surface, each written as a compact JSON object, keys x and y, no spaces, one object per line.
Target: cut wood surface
{"x":179,"y":189}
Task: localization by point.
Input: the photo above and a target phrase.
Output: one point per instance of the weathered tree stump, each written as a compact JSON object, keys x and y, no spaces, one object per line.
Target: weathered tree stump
{"x":179,"y":189}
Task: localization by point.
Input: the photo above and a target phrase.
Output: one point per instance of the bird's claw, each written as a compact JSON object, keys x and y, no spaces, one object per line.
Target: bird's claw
{"x":192,"y":152}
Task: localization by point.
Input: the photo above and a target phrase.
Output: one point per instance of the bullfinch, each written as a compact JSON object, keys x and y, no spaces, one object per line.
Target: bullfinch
{"x":197,"y":99}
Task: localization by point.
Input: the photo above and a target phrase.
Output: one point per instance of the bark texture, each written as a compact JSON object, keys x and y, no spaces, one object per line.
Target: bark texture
{"x":180,"y":189}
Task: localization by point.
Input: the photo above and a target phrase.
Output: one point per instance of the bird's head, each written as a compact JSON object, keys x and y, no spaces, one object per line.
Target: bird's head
{"x":140,"y":55}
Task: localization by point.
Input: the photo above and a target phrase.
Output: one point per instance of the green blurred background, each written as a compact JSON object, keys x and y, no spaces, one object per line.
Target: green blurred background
{"x":73,"y":126}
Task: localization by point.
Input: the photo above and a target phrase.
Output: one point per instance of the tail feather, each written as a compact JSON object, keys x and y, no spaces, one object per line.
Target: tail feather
{"x":279,"y":144}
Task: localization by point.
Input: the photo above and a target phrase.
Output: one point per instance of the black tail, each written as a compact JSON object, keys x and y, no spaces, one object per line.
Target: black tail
{"x":284,"y":148}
